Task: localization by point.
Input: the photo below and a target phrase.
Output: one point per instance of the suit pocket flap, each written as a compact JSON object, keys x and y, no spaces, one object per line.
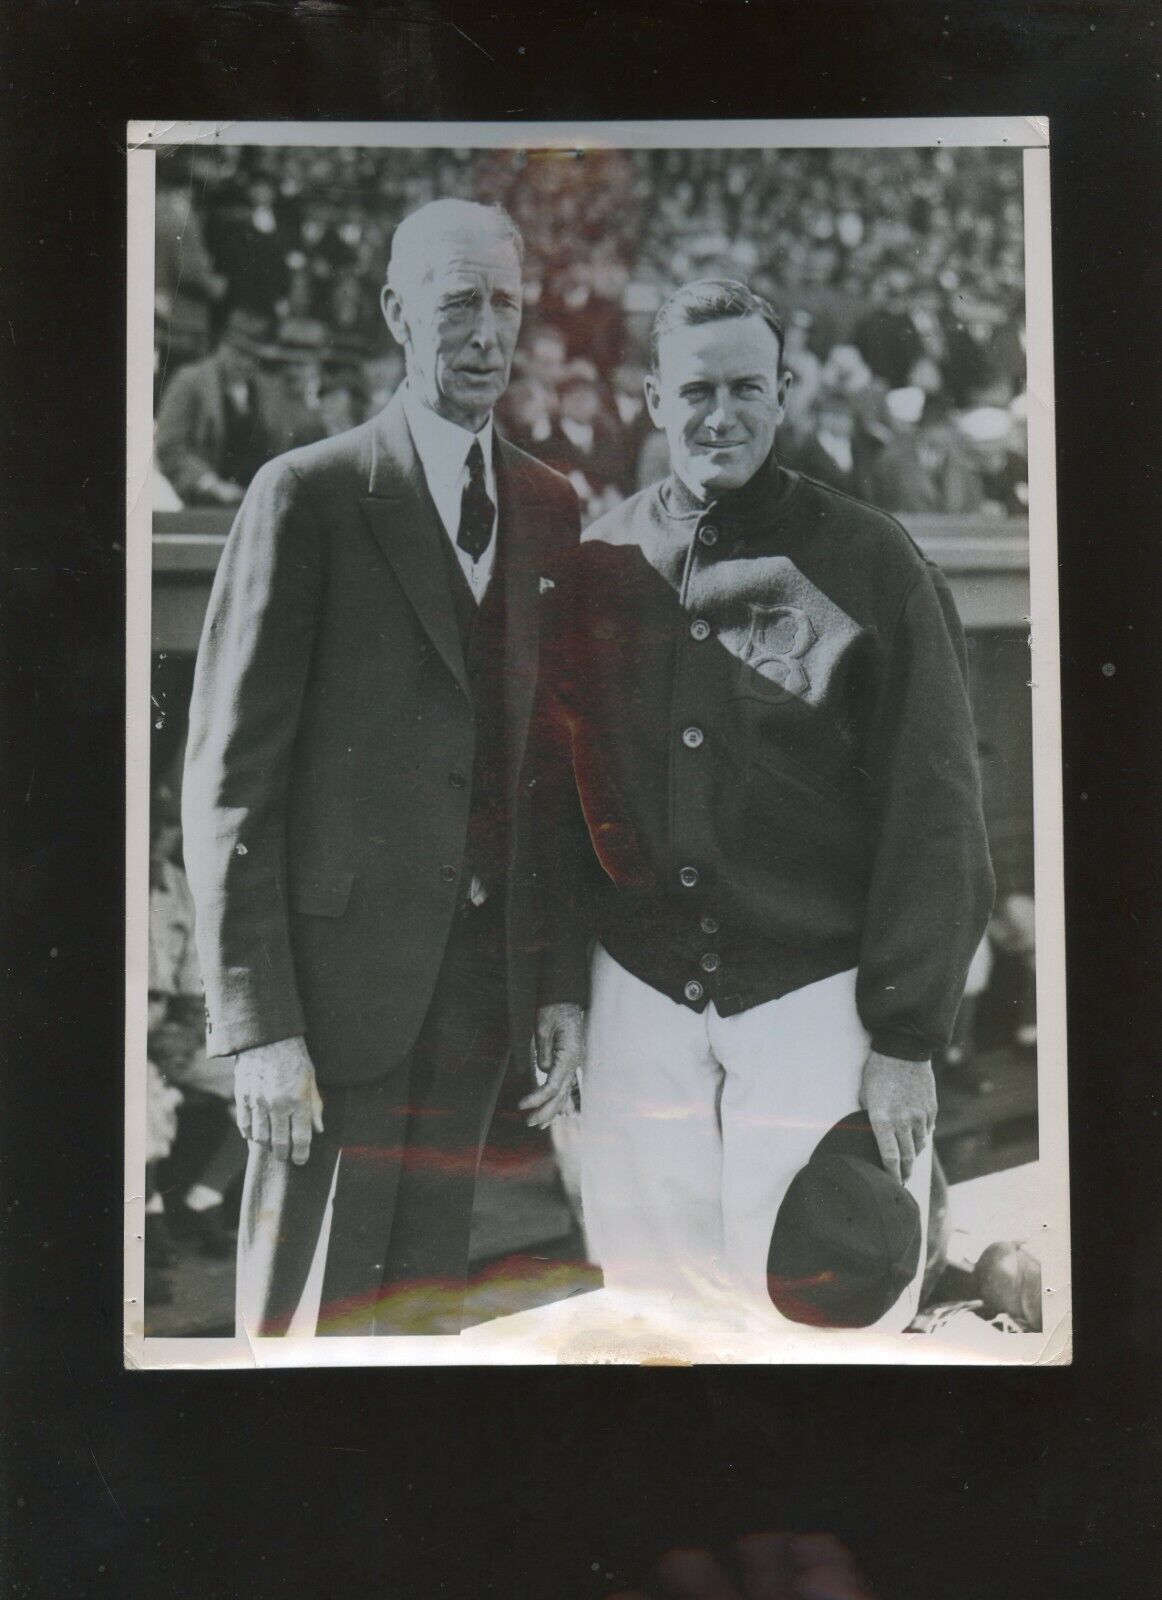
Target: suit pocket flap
{"x":321,"y":894}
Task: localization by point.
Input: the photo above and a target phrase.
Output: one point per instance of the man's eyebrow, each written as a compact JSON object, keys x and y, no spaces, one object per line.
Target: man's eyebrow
{"x":742,"y":377}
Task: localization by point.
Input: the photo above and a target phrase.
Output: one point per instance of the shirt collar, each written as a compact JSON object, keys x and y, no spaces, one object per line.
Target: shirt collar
{"x":443,"y":446}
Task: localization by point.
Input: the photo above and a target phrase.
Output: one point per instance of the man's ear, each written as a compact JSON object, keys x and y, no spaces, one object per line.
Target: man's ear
{"x":784,"y":389}
{"x":392,"y":308}
{"x":653,"y":399}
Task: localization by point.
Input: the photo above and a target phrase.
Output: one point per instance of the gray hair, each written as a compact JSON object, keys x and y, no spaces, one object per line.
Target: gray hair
{"x":414,"y":245}
{"x":712,"y":300}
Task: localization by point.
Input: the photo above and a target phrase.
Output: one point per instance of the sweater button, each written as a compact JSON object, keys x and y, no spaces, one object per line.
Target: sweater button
{"x":688,"y":877}
{"x":700,"y":629}
{"x":448,"y":873}
{"x":692,"y":738}
{"x":693,"y":991}
{"x":708,"y":535}
{"x":710,"y":962}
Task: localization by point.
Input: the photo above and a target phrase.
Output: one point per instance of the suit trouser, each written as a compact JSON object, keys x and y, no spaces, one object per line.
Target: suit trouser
{"x":408,"y":1148}
{"x":693,"y":1126}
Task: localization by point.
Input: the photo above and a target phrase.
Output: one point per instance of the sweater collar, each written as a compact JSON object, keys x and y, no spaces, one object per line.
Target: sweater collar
{"x":771,"y":486}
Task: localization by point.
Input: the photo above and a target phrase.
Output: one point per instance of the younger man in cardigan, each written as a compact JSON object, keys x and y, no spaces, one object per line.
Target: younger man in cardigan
{"x":759,"y":795}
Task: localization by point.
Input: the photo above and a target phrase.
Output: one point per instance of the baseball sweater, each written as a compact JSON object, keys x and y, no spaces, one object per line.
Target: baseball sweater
{"x":754,"y":759}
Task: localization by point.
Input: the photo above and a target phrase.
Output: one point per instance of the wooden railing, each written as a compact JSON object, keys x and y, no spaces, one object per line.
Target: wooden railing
{"x":986,"y":561}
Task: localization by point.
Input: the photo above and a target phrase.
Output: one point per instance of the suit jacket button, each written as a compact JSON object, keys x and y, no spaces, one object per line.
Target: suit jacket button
{"x":456,"y":778}
{"x":448,"y":873}
{"x":709,"y":962}
{"x":688,"y":877}
{"x":693,"y":991}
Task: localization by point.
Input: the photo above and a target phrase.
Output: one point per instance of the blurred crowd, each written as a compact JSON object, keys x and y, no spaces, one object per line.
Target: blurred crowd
{"x":899,"y":273}
{"x":194,"y":1156}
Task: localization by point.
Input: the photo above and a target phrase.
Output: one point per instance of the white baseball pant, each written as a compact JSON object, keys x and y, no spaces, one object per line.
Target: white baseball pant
{"x":693,"y":1126}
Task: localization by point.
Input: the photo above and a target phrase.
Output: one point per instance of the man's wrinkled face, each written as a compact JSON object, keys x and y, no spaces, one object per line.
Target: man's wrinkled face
{"x":719,"y":397}
{"x":458,"y":325}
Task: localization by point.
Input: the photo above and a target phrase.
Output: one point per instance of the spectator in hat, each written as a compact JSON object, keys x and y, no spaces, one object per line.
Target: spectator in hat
{"x":887,"y":337}
{"x":251,"y":234}
{"x":994,"y":439}
{"x":210,"y":437}
{"x":632,"y":422}
{"x":544,"y":358}
{"x":583,"y":445}
{"x":827,"y":449}
{"x":806,"y":369}
{"x":924,"y":467}
{"x":350,"y":311}
{"x":847,"y":375}
{"x":288,"y":386}
{"x":529,"y":408}
{"x":758,"y":794}
{"x":591,"y":323}
{"x":639,"y":306}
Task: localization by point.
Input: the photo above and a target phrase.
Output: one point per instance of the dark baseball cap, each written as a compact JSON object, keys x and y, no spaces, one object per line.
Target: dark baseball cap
{"x":846,"y":1241}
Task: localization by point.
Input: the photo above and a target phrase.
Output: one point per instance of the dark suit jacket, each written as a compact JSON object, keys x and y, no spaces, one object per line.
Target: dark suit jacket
{"x":191,"y":425}
{"x":324,"y":810}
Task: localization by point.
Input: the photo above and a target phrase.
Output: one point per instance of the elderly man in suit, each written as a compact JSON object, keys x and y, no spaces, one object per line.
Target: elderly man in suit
{"x":355,"y":820}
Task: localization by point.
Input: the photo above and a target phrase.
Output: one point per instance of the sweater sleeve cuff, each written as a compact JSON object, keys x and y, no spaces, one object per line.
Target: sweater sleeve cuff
{"x":904,"y":1046}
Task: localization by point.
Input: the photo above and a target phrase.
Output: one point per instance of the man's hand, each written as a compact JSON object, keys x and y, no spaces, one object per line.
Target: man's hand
{"x":277,"y":1099}
{"x":900,"y":1100}
{"x":560,"y":1046}
{"x":769,"y":1566}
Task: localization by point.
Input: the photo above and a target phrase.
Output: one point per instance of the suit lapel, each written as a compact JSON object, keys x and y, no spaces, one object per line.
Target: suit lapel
{"x":407,"y":528}
{"x":519,"y":522}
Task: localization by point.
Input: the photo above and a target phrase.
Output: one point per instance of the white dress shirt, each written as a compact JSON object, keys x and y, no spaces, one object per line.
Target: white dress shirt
{"x":443,"y":447}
